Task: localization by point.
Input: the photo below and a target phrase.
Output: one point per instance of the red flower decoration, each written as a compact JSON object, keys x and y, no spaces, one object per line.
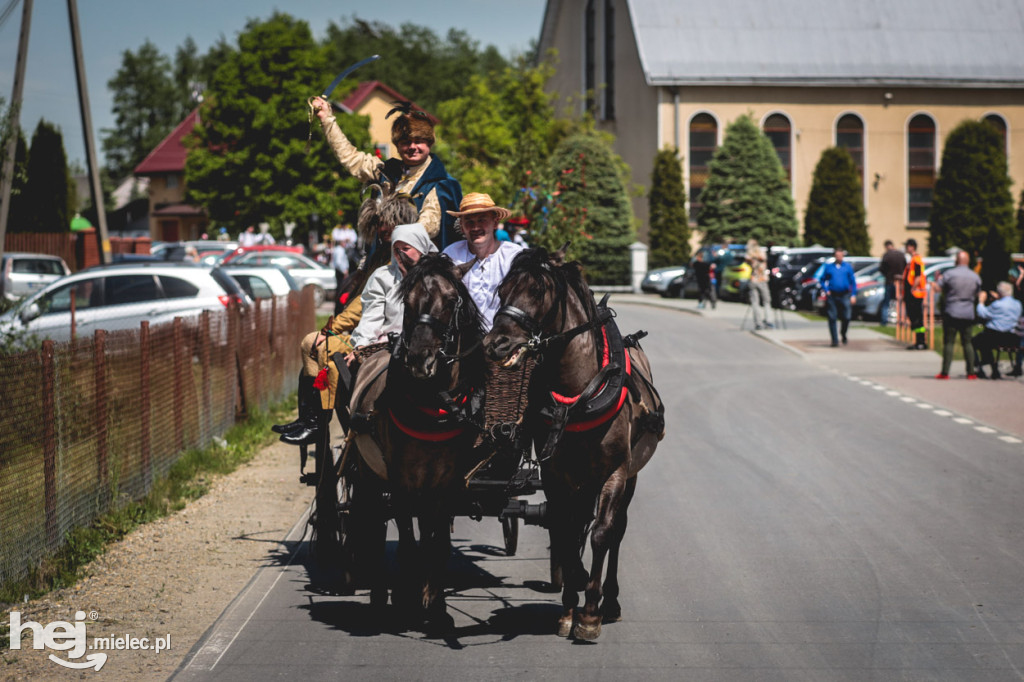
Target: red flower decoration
{"x":320,"y":383}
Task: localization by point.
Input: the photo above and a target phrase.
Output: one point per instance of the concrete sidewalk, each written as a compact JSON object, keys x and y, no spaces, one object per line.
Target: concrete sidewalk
{"x":876,"y":358}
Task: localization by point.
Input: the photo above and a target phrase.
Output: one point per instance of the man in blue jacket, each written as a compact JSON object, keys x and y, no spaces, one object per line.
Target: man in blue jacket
{"x":840,"y":286}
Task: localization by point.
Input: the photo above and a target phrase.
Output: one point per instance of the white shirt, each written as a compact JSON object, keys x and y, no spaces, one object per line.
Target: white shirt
{"x":382,"y":307}
{"x":485,"y":276}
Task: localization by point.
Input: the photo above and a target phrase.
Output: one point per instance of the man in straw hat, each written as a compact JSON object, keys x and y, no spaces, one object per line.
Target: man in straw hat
{"x":416,"y":172}
{"x":491,"y":258}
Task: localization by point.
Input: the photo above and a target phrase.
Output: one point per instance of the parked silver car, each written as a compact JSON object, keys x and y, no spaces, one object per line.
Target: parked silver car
{"x":120,"y":296}
{"x":23,"y":274}
{"x":262,"y":281}
{"x":304,"y":270}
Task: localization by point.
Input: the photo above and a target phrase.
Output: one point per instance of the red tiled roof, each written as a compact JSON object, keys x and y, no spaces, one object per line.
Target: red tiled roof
{"x":359,"y":95}
{"x":169,"y":155}
{"x":178,"y":210}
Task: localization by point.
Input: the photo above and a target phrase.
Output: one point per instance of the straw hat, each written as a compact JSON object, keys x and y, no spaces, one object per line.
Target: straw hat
{"x":477,"y":202}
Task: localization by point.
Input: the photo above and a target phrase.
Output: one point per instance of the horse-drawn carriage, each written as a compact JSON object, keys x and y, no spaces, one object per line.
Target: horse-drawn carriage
{"x":441,"y":420}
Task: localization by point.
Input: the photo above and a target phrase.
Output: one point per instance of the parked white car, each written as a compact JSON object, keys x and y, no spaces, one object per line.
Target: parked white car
{"x":120,"y":296}
{"x":23,"y":274}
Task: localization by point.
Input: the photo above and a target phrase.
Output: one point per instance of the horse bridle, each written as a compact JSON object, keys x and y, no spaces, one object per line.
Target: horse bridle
{"x":446,"y":332}
{"x":538,"y":341}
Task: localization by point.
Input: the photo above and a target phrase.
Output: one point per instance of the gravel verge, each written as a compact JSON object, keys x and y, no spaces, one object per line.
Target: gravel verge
{"x":172,"y":577}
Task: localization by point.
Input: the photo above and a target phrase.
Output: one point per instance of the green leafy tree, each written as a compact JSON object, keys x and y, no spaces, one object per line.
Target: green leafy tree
{"x":669,"y":224}
{"x":247,"y":161}
{"x":192,"y":71}
{"x":972,"y":207}
{"x":593,"y":209}
{"x":747,"y":194}
{"x":146,"y":108}
{"x":49,"y":193}
{"x":835,"y":211}
{"x":499,"y":133}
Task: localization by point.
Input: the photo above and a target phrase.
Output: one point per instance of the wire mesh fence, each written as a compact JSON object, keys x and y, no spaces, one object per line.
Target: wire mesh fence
{"x":91,"y":423}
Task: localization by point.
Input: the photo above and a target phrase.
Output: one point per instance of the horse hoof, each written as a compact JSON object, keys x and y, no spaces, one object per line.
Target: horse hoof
{"x":588,"y":632}
{"x":438,"y":625}
{"x":565,"y":626}
{"x":611,"y":613}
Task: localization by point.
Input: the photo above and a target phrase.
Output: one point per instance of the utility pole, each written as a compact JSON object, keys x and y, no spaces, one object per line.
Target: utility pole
{"x":12,"y":144}
{"x":95,"y":189}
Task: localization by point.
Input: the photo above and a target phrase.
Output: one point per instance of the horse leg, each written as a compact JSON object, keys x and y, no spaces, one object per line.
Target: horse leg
{"x":435,"y":547}
{"x":403,"y":595}
{"x":566,"y":545}
{"x":611,"y":611}
{"x":602,"y":538}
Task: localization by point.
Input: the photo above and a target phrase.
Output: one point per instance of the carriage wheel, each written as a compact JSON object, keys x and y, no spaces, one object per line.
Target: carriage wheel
{"x":510,"y":531}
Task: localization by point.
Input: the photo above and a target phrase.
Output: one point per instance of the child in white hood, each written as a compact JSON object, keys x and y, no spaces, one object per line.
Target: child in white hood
{"x":382,"y":303}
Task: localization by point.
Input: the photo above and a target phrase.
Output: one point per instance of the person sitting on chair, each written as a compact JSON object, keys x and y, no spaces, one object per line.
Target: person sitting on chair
{"x":1000,"y":319}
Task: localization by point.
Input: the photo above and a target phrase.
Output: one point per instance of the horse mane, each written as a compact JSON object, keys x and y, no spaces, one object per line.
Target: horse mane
{"x":536,"y":263}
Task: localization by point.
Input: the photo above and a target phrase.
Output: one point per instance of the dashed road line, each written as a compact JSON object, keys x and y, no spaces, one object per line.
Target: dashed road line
{"x":937,"y":411}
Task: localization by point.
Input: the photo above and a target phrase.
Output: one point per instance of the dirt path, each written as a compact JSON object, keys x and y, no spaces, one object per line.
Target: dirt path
{"x":173,"y":577}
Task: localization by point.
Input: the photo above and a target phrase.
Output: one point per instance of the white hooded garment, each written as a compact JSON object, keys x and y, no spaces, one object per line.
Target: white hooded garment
{"x":382,"y":304}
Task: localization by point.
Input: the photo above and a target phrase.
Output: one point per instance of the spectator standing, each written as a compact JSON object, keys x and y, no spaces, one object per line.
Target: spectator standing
{"x":705,"y":274}
{"x":891,"y":266}
{"x":840,"y":287}
{"x":1001,"y":318}
{"x":757,"y":286}
{"x":915,"y":286}
{"x":960,"y":288}
{"x":247,"y":238}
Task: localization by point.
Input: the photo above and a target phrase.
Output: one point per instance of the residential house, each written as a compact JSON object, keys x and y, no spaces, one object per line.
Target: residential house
{"x":170,"y":217}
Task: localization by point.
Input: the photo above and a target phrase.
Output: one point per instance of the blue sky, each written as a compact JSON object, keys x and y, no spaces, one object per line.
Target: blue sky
{"x":109,"y":27}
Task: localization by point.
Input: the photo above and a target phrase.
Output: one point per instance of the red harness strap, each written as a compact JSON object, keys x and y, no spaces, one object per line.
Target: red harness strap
{"x":431,"y":436}
{"x":613,"y":410}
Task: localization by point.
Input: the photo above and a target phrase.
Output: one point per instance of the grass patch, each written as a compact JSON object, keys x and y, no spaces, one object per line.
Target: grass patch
{"x":189,"y":478}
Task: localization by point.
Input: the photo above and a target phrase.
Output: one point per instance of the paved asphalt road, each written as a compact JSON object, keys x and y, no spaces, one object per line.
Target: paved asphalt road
{"x":793,"y":525}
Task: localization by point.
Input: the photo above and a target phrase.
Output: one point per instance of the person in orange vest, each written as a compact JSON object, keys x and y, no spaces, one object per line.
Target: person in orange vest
{"x":915,"y":285}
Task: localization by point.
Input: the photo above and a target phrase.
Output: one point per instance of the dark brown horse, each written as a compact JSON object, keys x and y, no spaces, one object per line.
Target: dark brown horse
{"x":594,"y":416}
{"x":426,"y":433}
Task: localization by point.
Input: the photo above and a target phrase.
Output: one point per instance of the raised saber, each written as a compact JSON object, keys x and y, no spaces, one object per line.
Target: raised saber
{"x":344,"y":74}
{"x":330,"y":88}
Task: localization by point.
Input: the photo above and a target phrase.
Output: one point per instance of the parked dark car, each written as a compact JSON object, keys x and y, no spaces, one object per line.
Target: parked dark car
{"x":783,"y":265}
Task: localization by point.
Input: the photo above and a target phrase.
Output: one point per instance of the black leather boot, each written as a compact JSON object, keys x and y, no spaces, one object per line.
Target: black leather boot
{"x":298,"y":431}
{"x":308,"y":435}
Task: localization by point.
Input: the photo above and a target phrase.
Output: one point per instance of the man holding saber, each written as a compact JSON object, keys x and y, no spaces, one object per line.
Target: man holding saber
{"x":416,"y":172}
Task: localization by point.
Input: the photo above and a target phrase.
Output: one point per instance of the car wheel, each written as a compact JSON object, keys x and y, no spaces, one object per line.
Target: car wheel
{"x":319,"y":295}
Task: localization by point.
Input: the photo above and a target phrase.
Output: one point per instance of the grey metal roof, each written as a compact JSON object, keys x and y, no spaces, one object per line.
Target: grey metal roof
{"x":812,"y":42}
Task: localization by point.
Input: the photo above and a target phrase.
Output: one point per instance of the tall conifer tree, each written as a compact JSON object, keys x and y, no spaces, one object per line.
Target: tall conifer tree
{"x":747,"y":194}
{"x":835,"y":211}
{"x":670,"y":225}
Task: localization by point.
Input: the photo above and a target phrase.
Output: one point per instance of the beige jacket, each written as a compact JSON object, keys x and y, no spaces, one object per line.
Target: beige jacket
{"x":366,"y":167}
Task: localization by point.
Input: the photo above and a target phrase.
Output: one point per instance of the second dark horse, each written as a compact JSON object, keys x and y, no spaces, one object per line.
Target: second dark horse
{"x":595,"y":417}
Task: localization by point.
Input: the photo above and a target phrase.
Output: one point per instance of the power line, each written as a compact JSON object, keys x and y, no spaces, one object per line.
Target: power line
{"x":8,"y":11}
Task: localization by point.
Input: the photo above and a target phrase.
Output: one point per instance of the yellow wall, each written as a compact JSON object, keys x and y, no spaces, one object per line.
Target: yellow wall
{"x":376,"y":106}
{"x":813,"y":113}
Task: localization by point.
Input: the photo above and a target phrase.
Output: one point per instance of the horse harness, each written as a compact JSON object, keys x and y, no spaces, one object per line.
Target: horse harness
{"x":605,"y":394}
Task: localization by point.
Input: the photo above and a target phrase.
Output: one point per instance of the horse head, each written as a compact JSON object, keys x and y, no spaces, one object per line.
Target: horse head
{"x":441,"y":324}
{"x":541,"y":297}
